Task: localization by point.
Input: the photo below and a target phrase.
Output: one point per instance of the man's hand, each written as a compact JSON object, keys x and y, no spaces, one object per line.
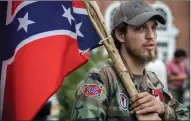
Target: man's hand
{"x":182,"y":76}
{"x":143,"y":103}
{"x":177,"y":77}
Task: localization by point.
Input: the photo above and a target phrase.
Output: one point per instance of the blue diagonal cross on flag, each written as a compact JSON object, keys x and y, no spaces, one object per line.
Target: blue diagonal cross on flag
{"x":93,"y":90}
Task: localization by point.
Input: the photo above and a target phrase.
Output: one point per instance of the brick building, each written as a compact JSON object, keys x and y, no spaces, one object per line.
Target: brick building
{"x":175,"y":34}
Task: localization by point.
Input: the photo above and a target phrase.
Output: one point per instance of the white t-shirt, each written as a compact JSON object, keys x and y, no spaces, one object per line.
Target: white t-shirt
{"x":159,"y":68}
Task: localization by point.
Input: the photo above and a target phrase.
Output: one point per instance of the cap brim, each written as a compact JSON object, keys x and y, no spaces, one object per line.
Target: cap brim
{"x":144,"y":17}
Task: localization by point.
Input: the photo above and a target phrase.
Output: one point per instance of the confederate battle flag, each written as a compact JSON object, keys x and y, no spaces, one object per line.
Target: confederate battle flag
{"x":41,"y":43}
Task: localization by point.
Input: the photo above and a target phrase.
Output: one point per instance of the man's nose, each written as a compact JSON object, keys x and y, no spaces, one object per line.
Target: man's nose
{"x":151,"y":34}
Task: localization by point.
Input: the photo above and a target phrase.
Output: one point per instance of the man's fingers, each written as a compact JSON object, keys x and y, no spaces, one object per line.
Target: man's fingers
{"x":152,"y":109}
{"x":141,"y":101}
{"x":143,"y":106}
{"x":138,"y":96}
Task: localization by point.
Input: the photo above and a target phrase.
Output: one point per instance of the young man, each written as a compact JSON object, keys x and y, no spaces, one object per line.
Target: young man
{"x":101,"y":96}
{"x":177,"y":74}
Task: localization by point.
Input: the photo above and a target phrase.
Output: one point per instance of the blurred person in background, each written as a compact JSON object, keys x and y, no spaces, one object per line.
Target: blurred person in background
{"x":177,"y":74}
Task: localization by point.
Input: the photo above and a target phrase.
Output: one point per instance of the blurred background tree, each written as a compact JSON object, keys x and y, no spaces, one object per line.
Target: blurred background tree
{"x":66,"y":93}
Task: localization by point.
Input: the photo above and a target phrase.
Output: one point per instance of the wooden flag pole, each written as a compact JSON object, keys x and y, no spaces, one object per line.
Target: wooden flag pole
{"x":100,"y":26}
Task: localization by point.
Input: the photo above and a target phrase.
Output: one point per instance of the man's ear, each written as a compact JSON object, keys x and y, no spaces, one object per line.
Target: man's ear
{"x":120,"y":36}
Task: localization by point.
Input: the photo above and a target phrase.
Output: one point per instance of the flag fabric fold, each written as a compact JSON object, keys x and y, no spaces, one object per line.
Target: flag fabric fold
{"x":41,"y":43}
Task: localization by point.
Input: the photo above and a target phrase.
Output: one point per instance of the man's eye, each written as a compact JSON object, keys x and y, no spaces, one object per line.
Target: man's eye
{"x":140,"y":29}
{"x":154,"y":28}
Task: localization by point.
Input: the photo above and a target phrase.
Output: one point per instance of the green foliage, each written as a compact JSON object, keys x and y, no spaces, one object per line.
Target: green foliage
{"x":67,"y":91}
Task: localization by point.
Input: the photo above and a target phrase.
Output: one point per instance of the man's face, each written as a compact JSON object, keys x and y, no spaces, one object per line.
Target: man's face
{"x":140,"y":41}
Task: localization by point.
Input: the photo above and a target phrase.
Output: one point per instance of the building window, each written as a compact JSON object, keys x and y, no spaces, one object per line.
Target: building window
{"x":162,"y":50}
{"x":162,"y":44}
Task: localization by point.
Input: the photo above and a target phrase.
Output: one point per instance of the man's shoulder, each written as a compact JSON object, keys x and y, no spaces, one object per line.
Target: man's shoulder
{"x":101,"y":74}
{"x":104,"y":71}
{"x":154,"y":79}
{"x":104,"y":65}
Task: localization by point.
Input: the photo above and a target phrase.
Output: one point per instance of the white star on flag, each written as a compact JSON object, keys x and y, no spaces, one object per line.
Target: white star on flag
{"x":68,"y":15}
{"x":24,"y":22}
{"x":78,"y":30}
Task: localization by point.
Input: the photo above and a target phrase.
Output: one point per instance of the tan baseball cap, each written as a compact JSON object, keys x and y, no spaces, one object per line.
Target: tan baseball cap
{"x":135,"y":12}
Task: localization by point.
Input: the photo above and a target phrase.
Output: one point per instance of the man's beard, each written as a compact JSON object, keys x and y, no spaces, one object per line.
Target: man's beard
{"x":138,"y":56}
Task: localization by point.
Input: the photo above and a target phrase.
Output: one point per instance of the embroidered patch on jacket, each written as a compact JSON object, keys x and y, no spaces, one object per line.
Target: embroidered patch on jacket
{"x":167,"y":92}
{"x":157,"y":94}
{"x":93,"y":90}
{"x":123,"y":101}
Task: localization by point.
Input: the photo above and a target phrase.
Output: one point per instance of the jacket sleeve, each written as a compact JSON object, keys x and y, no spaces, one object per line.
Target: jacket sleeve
{"x":90,"y":100}
{"x":174,"y":111}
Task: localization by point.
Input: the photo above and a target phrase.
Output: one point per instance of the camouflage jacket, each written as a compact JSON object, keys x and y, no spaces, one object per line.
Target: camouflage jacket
{"x":102,"y":97}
